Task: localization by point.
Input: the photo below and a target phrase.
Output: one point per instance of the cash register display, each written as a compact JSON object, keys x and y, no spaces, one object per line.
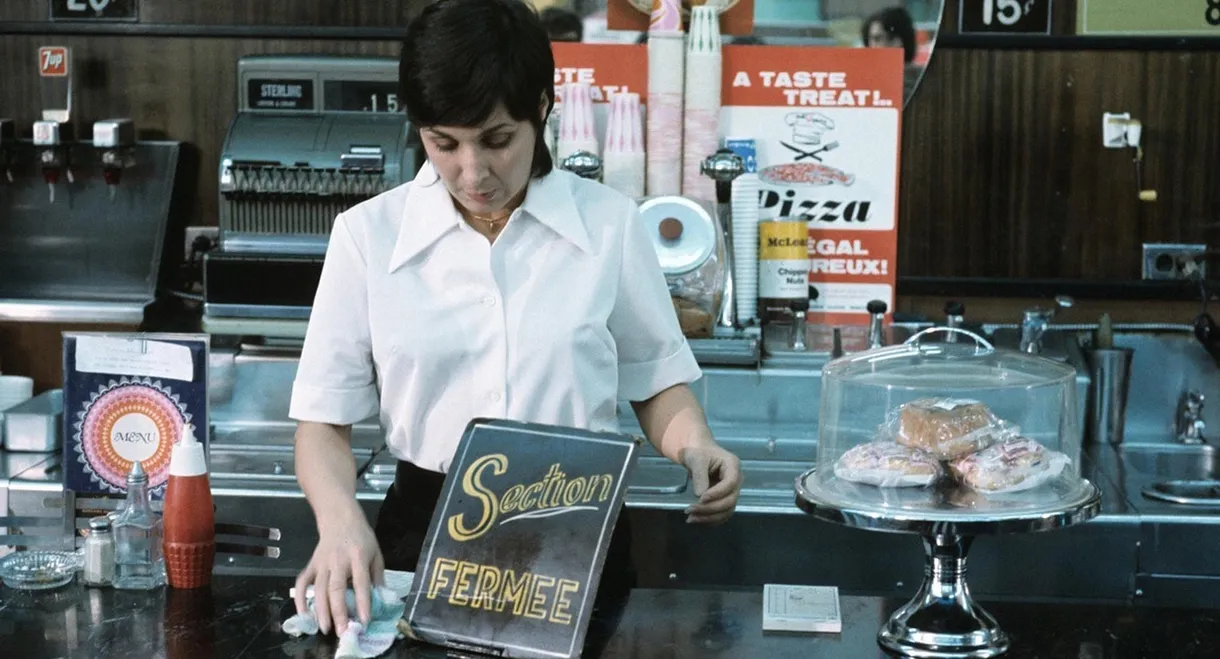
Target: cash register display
{"x":360,"y":96}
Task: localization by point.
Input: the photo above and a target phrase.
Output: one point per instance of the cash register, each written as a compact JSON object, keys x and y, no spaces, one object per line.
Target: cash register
{"x":312,"y":137}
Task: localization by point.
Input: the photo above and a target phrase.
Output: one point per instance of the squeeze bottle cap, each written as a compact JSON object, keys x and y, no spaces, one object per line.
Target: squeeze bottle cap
{"x":187,"y":457}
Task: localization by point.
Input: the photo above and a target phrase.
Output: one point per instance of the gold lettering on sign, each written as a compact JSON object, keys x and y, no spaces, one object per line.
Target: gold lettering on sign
{"x":554,"y":494}
{"x":487,"y":587}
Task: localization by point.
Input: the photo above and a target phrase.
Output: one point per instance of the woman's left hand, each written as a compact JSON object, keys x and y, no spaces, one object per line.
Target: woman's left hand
{"x":716,"y":476}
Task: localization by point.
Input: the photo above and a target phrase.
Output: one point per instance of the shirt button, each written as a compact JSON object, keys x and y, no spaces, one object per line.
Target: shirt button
{"x":489,"y":301}
{"x":494,"y":397}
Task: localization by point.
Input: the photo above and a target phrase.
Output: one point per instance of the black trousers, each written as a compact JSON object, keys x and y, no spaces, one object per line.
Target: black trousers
{"x":406,"y":513}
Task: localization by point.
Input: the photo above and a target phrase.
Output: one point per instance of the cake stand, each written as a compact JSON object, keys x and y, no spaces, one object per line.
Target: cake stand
{"x":942,"y":620}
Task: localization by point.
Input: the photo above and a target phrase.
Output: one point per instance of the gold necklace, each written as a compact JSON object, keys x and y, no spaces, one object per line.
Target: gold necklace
{"x":490,"y":221}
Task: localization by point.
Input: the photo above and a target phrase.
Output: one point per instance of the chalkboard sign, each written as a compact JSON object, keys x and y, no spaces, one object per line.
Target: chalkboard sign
{"x":513,"y":556}
{"x":126,"y":398}
{"x":94,"y":10}
{"x":1004,"y":16}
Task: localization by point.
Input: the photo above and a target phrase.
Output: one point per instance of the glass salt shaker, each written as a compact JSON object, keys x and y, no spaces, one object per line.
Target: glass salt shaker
{"x":99,"y":553}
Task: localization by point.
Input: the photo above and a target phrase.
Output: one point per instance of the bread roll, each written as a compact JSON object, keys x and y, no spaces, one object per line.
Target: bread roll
{"x":946,"y":428}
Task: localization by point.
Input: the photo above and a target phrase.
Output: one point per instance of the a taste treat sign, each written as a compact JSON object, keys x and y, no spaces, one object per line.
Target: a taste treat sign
{"x":826,"y":124}
{"x":514,"y":553}
{"x":608,"y":69}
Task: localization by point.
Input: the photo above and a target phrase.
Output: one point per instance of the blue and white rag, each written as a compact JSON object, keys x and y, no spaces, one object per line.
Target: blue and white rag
{"x":358,"y":641}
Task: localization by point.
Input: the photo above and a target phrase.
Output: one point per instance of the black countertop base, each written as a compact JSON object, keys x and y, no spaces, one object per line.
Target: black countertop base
{"x":239,"y":618}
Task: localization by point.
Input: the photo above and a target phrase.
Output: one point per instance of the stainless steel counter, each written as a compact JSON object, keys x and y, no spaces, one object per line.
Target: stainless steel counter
{"x":768,"y":416}
{"x":768,"y":541}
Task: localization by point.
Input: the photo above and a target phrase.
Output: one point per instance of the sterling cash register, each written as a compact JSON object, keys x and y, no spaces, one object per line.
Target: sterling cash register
{"x":313,"y":136}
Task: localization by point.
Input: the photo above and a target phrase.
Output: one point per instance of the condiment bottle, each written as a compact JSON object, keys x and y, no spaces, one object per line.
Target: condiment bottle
{"x":190,"y":523}
{"x":138,"y":563}
{"x":99,"y":553}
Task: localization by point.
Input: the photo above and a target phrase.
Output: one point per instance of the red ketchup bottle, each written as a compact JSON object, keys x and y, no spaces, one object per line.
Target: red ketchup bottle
{"x":188,"y":518}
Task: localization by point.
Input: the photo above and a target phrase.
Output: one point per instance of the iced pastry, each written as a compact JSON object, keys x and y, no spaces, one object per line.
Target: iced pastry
{"x":887,"y":464}
{"x":1010,"y":465}
{"x":945,"y":427}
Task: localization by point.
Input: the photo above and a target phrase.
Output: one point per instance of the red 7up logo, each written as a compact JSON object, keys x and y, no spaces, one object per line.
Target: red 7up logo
{"x":53,"y":61}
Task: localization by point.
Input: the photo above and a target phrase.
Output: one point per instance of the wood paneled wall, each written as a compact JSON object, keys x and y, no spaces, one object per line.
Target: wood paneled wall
{"x":349,"y":13}
{"x":1003,"y":172}
{"x":172,"y":88}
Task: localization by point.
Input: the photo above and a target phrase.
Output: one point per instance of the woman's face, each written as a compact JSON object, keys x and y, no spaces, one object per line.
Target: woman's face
{"x":485,"y":166}
{"x":879,"y":38}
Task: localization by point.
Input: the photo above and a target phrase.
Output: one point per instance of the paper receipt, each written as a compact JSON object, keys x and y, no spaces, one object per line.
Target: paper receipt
{"x":801,"y":609}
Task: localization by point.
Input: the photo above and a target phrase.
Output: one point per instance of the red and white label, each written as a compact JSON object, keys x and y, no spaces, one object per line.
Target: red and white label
{"x":53,"y":61}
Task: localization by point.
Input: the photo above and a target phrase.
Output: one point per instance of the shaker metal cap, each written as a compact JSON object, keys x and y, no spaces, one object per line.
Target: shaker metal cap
{"x":137,"y":474}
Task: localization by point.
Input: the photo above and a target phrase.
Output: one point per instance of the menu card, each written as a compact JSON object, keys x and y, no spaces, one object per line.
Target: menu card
{"x":126,"y":398}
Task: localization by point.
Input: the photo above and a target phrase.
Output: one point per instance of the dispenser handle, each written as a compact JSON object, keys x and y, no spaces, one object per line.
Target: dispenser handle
{"x":914,"y":340}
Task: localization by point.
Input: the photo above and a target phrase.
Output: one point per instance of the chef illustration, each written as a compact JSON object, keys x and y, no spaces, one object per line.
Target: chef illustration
{"x":808,"y":127}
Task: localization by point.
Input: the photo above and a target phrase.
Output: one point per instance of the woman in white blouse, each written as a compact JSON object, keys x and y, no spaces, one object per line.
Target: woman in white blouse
{"x":492,"y":285}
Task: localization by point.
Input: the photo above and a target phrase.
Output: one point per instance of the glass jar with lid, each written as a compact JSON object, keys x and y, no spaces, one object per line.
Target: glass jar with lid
{"x":948,"y":430}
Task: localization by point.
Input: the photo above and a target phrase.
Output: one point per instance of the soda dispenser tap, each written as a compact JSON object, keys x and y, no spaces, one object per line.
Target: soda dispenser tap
{"x":8,"y":138}
{"x":115,"y":138}
{"x":50,"y":140}
{"x":50,"y":132}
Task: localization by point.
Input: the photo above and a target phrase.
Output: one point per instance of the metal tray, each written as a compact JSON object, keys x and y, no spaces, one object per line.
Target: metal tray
{"x":35,"y":426}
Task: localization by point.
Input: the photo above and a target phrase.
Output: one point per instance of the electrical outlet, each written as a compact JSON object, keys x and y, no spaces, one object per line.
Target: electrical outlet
{"x":212,"y":234}
{"x":1174,"y":261}
{"x":1114,"y":129}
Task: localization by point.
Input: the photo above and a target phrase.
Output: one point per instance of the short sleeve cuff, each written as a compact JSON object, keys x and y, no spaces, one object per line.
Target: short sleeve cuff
{"x":641,"y":381}
{"x":338,"y":407}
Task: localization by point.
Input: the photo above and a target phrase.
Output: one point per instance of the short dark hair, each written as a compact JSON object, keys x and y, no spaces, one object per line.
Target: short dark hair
{"x":897,"y":22}
{"x":562,"y":22}
{"x":461,"y":58}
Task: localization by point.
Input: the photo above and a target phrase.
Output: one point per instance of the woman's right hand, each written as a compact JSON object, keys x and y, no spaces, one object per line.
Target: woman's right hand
{"x":347,"y":551}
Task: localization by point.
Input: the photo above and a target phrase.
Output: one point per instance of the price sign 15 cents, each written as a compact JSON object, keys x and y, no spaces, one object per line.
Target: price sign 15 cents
{"x":1004,"y":16}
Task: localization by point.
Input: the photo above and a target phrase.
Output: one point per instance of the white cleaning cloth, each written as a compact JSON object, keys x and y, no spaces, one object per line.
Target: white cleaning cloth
{"x":357,"y":641}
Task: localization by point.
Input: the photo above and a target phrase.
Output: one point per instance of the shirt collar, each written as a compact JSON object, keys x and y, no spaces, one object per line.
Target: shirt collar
{"x":429,"y":213}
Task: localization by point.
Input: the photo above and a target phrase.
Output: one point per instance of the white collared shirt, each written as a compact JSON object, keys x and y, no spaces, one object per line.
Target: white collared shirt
{"x":418,"y":318}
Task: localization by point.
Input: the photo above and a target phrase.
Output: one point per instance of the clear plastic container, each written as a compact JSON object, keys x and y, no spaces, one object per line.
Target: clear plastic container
{"x":936,"y":430}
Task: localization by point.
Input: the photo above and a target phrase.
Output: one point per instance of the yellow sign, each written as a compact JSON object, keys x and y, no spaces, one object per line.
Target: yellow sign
{"x":1149,"y":17}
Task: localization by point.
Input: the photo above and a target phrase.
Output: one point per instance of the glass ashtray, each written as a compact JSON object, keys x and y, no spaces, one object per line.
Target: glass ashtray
{"x":38,"y":570}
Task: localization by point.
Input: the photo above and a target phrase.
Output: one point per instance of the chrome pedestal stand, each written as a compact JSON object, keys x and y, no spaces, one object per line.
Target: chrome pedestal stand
{"x":943,"y":620}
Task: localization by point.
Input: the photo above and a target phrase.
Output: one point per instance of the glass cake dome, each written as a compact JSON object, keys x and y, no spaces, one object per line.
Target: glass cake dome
{"x":945,"y":430}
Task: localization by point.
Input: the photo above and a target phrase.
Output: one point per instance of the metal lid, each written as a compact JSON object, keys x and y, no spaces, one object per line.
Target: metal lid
{"x":723,"y":166}
{"x":683,"y":232}
{"x":924,"y":363}
{"x":584,"y":164}
{"x":100,"y":524}
{"x":137,"y":475}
